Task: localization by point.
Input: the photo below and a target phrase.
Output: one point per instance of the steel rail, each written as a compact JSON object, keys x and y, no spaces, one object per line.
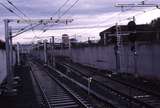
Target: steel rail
{"x":121,"y":82}
{"x":45,"y":99}
{"x":122,"y":94}
{"x":71,"y":93}
{"x":67,"y":89}
{"x":83,"y":87}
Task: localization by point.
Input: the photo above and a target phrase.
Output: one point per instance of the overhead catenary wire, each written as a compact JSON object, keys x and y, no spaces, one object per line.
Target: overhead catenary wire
{"x":65,"y":11}
{"x":16,"y":8}
{"x":10,"y":10}
{"x":44,"y":28}
{"x":13,"y":12}
{"x":22,"y":18}
{"x":23,"y":29}
{"x":58,"y":10}
{"x":91,"y":26}
{"x":69,"y":8}
{"x":98,"y":26}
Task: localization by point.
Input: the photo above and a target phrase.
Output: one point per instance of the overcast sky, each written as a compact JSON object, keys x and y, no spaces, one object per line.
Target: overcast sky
{"x":86,"y":13}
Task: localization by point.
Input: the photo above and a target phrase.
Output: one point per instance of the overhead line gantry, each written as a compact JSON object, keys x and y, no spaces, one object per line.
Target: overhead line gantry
{"x":9,"y":37}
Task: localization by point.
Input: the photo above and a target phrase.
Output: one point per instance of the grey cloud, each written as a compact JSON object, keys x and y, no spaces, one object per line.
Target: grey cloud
{"x":47,"y":8}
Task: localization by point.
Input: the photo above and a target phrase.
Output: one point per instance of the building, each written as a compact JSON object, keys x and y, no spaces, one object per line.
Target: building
{"x":65,"y":39}
{"x":143,"y":32}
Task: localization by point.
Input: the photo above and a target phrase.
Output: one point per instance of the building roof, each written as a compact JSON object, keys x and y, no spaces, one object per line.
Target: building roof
{"x":143,"y":32}
{"x":124,"y":28}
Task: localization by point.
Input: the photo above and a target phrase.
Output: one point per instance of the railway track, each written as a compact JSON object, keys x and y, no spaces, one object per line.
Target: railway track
{"x":53,"y":93}
{"x":132,"y":95}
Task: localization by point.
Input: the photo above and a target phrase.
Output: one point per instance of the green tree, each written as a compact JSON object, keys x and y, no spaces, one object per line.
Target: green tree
{"x":155,"y":24}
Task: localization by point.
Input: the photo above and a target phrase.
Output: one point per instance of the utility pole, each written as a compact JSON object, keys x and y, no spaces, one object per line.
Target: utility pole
{"x":117,"y":48}
{"x":53,"y":55}
{"x":11,"y":50}
{"x":70,"y":49}
{"x":8,"y":63}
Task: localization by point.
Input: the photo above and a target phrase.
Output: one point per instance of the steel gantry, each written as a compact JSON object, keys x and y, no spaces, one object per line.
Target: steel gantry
{"x":9,"y":36}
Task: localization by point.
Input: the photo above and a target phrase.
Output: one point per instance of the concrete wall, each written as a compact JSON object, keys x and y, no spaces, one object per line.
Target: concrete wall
{"x":148,"y":58}
{"x":3,"y":72}
{"x":3,"y":69}
{"x":103,"y":57}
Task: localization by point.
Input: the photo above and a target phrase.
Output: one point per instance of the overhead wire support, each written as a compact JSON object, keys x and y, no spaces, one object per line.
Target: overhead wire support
{"x":25,"y":30}
{"x":9,"y":37}
{"x":10,"y":10}
{"x":137,"y":5}
{"x":38,"y":22}
{"x":142,"y":4}
{"x":65,"y":11}
{"x":21,"y":13}
{"x":58,"y":10}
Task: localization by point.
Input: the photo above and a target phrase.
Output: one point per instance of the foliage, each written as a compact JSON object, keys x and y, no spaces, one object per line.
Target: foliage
{"x":155,"y":24}
{"x":2,"y":45}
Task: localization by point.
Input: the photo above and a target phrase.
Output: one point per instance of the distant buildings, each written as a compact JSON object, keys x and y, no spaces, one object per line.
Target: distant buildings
{"x":65,"y":39}
{"x":143,"y":32}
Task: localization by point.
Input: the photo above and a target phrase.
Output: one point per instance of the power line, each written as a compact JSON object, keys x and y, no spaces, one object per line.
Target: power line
{"x":16,"y":8}
{"x":66,"y":10}
{"x":10,"y":10}
{"x":70,"y":8}
{"x":61,"y":6}
{"x":23,"y":15}
{"x":58,"y":10}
